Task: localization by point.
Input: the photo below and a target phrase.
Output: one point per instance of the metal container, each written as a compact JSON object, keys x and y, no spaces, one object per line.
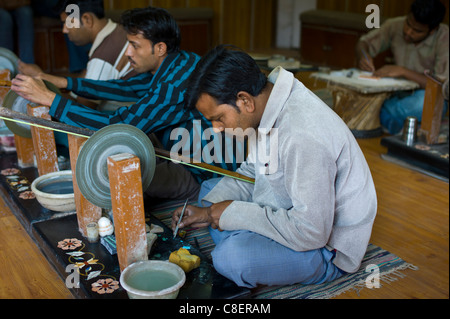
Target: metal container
{"x":409,"y":135}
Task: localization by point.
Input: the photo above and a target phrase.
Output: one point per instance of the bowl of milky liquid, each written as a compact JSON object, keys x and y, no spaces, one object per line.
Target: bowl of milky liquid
{"x":54,"y":191}
{"x":152,"y":279}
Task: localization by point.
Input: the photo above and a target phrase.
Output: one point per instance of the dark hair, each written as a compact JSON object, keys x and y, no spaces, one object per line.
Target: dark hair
{"x":222,"y":73}
{"x":93,"y":6}
{"x":156,"y":24}
{"x":429,"y":12}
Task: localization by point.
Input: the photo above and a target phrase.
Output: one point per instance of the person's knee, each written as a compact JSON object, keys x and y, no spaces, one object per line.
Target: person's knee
{"x":414,"y":105}
{"x":238,"y":258}
{"x":230,"y":257}
{"x":410,"y":105}
{"x":396,"y":109}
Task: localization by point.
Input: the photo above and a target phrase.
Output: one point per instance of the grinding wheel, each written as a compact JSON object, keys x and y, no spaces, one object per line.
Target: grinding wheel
{"x":92,"y":169}
{"x":15,"y":102}
{"x":8,"y":60}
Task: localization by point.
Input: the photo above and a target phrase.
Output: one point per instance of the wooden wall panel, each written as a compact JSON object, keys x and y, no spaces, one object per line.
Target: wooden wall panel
{"x":125,"y":4}
{"x":265,"y":20}
{"x":236,"y":22}
{"x":396,"y":8}
{"x":333,"y":5}
{"x":249,"y":24}
{"x":389,"y":8}
{"x":195,"y":37}
{"x":50,"y":49}
{"x":216,"y":6}
{"x":360,"y":5}
{"x":169,"y":3}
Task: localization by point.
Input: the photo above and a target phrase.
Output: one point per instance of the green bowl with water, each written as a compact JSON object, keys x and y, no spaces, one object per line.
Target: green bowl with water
{"x":152,"y":279}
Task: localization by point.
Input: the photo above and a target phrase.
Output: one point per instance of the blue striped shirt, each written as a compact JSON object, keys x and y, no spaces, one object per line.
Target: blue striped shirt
{"x":158,"y":108}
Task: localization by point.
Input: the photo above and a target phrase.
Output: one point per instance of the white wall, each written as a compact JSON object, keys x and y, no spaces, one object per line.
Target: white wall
{"x":288,"y":23}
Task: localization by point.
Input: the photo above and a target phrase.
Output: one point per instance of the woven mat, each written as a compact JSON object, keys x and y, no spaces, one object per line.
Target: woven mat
{"x":378,"y":266}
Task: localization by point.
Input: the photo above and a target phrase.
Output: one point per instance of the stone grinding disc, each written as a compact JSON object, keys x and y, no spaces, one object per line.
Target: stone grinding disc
{"x":15,"y":102}
{"x":9,"y":61}
{"x":92,"y":169}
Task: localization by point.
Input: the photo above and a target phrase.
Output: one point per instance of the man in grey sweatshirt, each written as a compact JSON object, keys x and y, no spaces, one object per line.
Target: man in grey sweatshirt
{"x":309,"y":215}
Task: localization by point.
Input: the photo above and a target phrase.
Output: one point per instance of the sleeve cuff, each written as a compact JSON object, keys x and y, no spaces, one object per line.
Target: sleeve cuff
{"x":70,"y":84}
{"x":58,"y":107}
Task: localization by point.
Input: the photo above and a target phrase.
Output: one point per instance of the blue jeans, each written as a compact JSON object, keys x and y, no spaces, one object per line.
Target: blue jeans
{"x":22,"y":18}
{"x":250,"y":259}
{"x":398,"y":107}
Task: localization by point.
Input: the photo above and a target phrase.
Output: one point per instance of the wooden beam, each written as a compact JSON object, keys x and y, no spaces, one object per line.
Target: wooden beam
{"x":25,"y":151}
{"x":432,"y":111}
{"x":44,"y":142}
{"x":128,"y":208}
{"x":86,"y":211}
{"x":5,"y":84}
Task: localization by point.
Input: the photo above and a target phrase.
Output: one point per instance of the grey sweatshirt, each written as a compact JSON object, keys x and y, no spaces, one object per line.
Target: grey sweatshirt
{"x":313,"y":187}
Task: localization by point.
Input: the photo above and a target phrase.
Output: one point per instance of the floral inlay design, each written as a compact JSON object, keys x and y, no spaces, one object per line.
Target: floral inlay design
{"x":88,"y":266}
{"x":27,"y":195}
{"x":103,"y":286}
{"x":18,"y":183}
{"x":10,"y":171}
{"x":69,"y":244}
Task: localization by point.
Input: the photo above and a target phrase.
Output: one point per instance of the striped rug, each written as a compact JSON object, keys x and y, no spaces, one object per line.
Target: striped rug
{"x":378,"y":266}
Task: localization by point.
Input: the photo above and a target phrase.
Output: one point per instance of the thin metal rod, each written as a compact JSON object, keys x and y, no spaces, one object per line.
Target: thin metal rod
{"x":13,"y":116}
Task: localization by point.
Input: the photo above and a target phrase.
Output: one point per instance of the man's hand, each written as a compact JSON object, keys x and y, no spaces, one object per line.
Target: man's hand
{"x":29,"y":69}
{"x":364,"y":60}
{"x":33,"y":90}
{"x":393,"y":71}
{"x":366,"y":63}
{"x":36,"y":72}
{"x":200,"y":216}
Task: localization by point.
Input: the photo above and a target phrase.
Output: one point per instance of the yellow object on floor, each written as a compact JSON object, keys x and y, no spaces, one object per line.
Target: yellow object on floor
{"x":183,"y":258}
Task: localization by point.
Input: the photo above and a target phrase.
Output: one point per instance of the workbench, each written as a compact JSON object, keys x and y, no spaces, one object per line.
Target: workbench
{"x":49,"y":230}
{"x":358,"y":98}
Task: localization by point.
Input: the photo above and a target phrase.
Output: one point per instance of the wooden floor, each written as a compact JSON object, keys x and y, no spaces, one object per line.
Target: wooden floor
{"x":24,"y":271}
{"x":412,"y":222}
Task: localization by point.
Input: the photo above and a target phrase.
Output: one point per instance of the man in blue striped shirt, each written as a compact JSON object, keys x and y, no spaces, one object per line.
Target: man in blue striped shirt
{"x":158,"y":96}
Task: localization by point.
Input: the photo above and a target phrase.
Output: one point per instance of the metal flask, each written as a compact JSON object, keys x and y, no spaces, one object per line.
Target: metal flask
{"x":409,"y":135}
